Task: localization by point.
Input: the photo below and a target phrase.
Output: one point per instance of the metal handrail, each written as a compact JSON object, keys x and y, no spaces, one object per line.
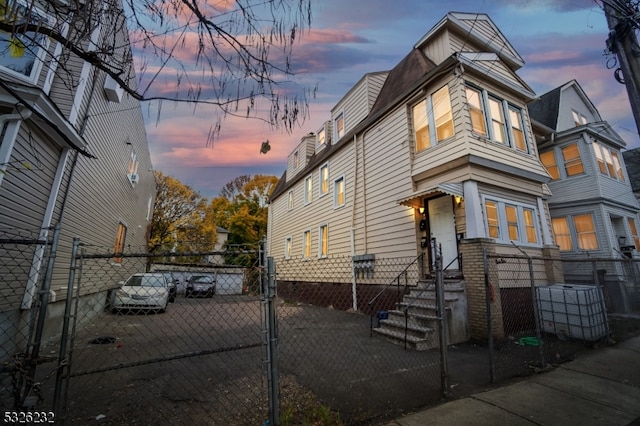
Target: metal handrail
{"x":396,"y":281}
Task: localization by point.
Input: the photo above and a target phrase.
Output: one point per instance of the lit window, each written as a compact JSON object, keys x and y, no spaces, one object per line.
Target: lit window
{"x":432,"y":119}
{"x":308,"y":189}
{"x":512,"y":222}
{"x":515,"y":117}
{"x":478,"y":121}
{"x":118,"y":247}
{"x":549,"y":161}
{"x":572,"y":161}
{"x":323,"y":248}
{"x":339,"y":127}
{"x":634,"y":232}
{"x":530,"y":226}
{"x":497,"y":120}
{"x":586,"y":232}
{"x":306,"y":249}
{"x":597,"y":149}
{"x":324,"y":180}
{"x":562,"y":233}
{"x":320,"y":136}
{"x":290,"y":200}
{"x":489,"y":109}
{"x":443,"y":115}
{"x":421,"y":126}
{"x":617,"y":166}
{"x":288,"y":247}
{"x":492,"y":219}
{"x":22,"y":54}
{"x":338,"y":192}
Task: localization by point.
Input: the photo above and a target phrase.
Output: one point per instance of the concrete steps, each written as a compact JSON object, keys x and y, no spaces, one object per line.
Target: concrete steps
{"x":421,"y":321}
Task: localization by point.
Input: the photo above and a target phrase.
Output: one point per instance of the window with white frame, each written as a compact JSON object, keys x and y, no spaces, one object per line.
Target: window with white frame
{"x":132,"y":168}
{"x":572,"y":160}
{"x":338,"y":192}
{"x":339,"y":126}
{"x":496,"y":119}
{"x":22,"y":55}
{"x":608,"y":161}
{"x":291,"y":199}
{"x":118,"y":246}
{"x":324,"y":179}
{"x":432,"y":119}
{"x":508,"y":221}
{"x":575,"y":231}
{"x":288,"y":247}
{"x":308,"y":189}
{"x":320,"y":136}
{"x":548,"y":159}
{"x":306,"y":244}
{"x":323,"y":241}
{"x":578,"y":119}
{"x":296,"y":160}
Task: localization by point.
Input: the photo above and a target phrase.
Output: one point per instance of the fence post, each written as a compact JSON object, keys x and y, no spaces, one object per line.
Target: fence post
{"x":443,"y":328}
{"x":62,"y":354}
{"x":272,"y":343}
{"x":42,"y":314}
{"x":536,"y":316}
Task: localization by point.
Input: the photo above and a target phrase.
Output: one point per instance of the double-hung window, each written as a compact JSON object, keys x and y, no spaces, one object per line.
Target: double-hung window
{"x":323,"y":241}
{"x":433,"y":119}
{"x":338,"y":192}
{"x":308,"y":189}
{"x":22,"y":54}
{"x":339,"y":126}
{"x":572,"y":161}
{"x":608,"y":162}
{"x":575,"y":231}
{"x":634,"y":232}
{"x":508,"y":221}
{"x":118,"y":246}
{"x":291,"y":200}
{"x":288,"y":247}
{"x":324,"y":179}
{"x":548,"y":159}
{"x":306,"y":244}
{"x":496,"y":119}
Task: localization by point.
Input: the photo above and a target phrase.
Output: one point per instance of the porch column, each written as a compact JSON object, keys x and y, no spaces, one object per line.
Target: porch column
{"x":473,"y":210}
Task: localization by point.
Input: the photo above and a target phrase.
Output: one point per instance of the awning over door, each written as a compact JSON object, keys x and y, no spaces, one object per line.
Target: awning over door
{"x":415,"y":199}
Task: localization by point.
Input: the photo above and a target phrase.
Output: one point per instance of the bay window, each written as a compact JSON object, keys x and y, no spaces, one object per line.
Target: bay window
{"x":509,"y":221}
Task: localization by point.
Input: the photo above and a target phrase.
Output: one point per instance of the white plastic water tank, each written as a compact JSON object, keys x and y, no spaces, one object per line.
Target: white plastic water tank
{"x":573,"y":310}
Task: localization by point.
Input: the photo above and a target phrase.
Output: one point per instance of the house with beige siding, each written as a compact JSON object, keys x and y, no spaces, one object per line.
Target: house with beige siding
{"x":440,"y":148}
{"x":74,"y":162}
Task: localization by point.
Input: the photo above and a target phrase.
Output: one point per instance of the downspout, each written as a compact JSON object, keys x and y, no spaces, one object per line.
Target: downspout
{"x":354,"y":296}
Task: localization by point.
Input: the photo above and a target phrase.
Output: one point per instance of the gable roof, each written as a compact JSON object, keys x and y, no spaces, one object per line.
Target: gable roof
{"x":480,"y":29}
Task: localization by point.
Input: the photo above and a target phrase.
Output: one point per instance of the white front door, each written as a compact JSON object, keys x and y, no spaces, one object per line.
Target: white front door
{"x":443,"y":229}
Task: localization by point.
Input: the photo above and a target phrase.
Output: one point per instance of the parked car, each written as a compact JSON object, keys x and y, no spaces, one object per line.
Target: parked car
{"x":201,"y":285}
{"x":148,"y":291}
{"x":174,"y":282}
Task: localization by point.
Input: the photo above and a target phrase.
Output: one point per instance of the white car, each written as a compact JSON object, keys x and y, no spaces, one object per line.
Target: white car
{"x":142,"y":291}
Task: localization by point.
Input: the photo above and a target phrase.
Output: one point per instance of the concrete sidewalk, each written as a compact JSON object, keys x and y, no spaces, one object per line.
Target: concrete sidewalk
{"x":599,"y":388}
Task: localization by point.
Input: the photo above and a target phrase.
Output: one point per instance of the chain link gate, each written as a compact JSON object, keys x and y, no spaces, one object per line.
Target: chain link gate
{"x":27,"y":259}
{"x":198,"y":361}
{"x":332,"y":368}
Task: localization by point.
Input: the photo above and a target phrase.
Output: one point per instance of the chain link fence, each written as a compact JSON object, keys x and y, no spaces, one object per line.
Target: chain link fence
{"x":536,"y":324}
{"x":338,"y":340}
{"x":25,"y":258}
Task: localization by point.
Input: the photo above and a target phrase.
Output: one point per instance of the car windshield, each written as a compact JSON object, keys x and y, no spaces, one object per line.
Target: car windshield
{"x":145,"y":281}
{"x":205,"y":280}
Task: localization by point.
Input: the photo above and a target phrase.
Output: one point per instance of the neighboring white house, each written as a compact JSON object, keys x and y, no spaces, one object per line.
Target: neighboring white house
{"x":73,"y":154}
{"x":593,"y":209}
{"x":447,"y":132}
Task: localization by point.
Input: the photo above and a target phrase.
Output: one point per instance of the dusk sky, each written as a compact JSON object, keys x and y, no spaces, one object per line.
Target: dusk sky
{"x":560,"y":40}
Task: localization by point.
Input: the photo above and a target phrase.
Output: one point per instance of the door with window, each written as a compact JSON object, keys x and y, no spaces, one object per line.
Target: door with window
{"x":443,"y":228}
